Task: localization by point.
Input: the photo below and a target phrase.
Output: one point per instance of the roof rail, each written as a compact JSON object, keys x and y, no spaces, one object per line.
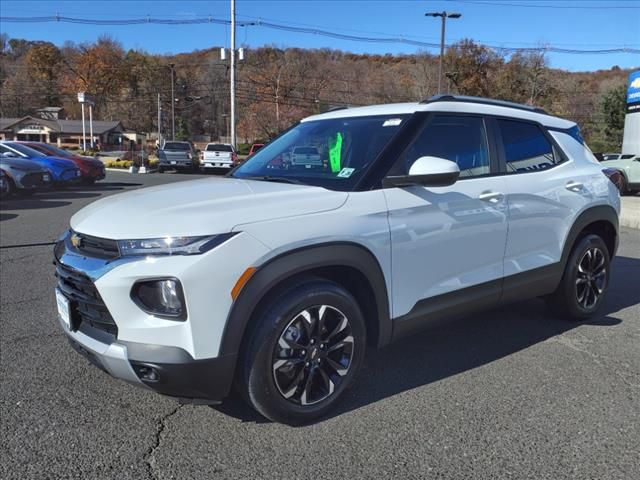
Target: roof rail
{"x":341,"y":107}
{"x":483,"y":101}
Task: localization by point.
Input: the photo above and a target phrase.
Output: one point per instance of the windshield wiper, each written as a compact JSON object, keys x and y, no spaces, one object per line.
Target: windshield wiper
{"x":270,"y":178}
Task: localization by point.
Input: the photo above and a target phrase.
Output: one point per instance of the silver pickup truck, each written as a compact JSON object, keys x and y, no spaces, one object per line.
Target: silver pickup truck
{"x":177,"y":155}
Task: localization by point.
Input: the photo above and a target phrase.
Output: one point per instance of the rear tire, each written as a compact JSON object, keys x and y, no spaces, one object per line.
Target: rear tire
{"x":304,"y":352}
{"x":10,"y":188}
{"x":585,"y":280}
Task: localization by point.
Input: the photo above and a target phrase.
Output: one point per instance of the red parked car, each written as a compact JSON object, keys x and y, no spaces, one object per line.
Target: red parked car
{"x":91,"y":169}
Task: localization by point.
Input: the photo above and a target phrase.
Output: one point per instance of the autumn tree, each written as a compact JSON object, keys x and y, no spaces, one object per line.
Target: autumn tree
{"x":99,"y":69}
{"x":471,"y":66}
{"x":43,"y":61}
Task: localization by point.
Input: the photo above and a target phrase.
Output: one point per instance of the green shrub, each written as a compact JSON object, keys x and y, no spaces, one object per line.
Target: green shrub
{"x":243,"y":148}
{"x":118,"y":163}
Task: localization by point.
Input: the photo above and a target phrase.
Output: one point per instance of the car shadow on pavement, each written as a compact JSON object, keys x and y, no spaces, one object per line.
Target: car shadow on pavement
{"x":30,"y":203}
{"x":455,"y":346}
{"x":7,"y":216}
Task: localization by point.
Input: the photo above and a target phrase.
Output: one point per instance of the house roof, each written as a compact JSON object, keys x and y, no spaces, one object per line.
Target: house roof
{"x":63,"y":126}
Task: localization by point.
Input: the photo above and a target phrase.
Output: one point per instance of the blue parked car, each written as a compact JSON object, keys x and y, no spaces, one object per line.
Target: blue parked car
{"x":63,"y":172}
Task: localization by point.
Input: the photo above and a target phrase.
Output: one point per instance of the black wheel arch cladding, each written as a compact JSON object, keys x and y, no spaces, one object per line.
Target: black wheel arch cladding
{"x":300,"y":261}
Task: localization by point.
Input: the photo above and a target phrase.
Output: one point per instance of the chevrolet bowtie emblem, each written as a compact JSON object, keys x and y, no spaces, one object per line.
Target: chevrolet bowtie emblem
{"x":76,"y":240}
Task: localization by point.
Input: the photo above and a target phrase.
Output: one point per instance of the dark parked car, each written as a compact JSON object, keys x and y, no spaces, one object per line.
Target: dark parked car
{"x":177,"y":155}
{"x":23,"y":176}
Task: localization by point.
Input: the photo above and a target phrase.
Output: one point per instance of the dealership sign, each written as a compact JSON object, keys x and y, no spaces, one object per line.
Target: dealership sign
{"x":633,"y":93}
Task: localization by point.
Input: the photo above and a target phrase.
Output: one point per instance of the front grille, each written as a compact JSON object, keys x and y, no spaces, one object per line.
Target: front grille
{"x":97,"y":247}
{"x":33,"y":180}
{"x":69,"y":174}
{"x":86,"y":304}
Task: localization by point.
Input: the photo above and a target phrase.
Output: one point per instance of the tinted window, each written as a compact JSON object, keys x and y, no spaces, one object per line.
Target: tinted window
{"x":627,"y":157}
{"x":525,"y":147}
{"x":218,"y":147}
{"x":305,"y":151}
{"x":29,"y":152}
{"x":460,"y":139}
{"x":176,"y":146}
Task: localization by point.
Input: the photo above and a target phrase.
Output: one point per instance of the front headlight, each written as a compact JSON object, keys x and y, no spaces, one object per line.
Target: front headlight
{"x":172,"y":245}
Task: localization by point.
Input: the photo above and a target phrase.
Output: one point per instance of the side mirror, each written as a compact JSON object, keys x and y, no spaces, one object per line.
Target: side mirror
{"x":9,"y":155}
{"x":428,"y":172}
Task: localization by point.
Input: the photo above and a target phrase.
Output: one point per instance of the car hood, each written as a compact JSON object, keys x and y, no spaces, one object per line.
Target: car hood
{"x":55,"y":162}
{"x":200,"y":207}
{"x":20,"y":164}
{"x":615,"y":163}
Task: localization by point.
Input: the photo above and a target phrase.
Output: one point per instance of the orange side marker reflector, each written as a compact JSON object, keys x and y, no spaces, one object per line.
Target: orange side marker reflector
{"x":244,"y":278}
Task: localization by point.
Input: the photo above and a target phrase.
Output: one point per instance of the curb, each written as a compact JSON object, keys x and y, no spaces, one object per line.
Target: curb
{"x":126,"y":170}
{"x":630,"y":212}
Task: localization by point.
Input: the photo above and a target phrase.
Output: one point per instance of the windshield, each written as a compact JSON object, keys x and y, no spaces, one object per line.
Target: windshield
{"x":176,"y":146}
{"x":332,"y":153}
{"x":50,"y":150}
{"x":218,"y":147}
{"x":29,"y":152}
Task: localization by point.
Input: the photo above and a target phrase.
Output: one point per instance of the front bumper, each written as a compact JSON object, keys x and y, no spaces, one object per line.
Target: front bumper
{"x":186,"y":355}
{"x":212,"y":165}
{"x":177,"y":374}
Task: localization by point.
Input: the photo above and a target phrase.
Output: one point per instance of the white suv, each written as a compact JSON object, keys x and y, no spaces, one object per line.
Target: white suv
{"x":275,"y":279}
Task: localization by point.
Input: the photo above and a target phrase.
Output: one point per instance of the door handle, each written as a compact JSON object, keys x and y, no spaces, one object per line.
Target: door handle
{"x":493,"y":197}
{"x":574,"y":186}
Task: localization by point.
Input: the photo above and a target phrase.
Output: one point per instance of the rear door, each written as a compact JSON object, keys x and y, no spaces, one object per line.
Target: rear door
{"x":448,"y":243}
{"x":546,"y":191}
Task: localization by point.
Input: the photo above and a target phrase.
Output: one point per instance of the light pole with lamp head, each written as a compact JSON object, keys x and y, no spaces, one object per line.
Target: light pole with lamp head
{"x":444,"y":16}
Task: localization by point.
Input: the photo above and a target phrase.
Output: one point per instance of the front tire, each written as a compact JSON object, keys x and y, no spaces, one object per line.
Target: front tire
{"x":585,"y":280}
{"x":306,"y":348}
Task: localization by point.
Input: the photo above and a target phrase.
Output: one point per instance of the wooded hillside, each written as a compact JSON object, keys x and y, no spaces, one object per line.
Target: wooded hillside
{"x":277,"y":87}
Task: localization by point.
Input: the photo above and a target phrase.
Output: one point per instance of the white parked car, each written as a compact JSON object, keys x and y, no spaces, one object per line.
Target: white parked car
{"x":276,"y":284}
{"x":305,"y":157}
{"x":218,"y":155}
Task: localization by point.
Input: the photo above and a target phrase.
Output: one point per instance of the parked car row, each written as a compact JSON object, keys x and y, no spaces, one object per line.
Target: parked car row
{"x":31,"y":166}
{"x":215,"y":156}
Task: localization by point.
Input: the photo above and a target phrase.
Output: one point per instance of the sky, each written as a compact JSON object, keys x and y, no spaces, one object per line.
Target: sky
{"x":575,"y":24}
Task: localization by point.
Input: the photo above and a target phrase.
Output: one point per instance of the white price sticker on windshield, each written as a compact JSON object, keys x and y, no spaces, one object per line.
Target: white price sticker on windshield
{"x":346,"y":172}
{"x":392,"y":122}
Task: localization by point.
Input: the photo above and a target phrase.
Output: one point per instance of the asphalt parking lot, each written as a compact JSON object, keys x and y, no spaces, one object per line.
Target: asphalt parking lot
{"x":510,"y":393}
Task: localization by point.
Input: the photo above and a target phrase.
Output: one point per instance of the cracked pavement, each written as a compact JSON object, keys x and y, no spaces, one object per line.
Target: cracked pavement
{"x":505,"y":393}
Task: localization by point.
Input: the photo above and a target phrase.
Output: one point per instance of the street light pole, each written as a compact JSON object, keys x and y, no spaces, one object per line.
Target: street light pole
{"x":233,"y":73}
{"x":173,"y":105}
{"x":444,"y":16}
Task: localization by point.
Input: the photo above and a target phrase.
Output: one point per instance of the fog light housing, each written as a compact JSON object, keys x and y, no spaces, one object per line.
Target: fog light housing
{"x":146,"y":373}
{"x":161,"y":297}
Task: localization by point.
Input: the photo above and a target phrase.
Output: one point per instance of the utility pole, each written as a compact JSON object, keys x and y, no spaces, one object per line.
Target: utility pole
{"x":233,"y":73}
{"x":84,"y":131}
{"x":159,"y":121}
{"x":444,"y":15}
{"x":173,"y":105}
{"x":91,"y":125}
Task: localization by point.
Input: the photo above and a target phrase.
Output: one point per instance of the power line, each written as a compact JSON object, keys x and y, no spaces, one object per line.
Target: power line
{"x":306,"y":30}
{"x":580,"y":5}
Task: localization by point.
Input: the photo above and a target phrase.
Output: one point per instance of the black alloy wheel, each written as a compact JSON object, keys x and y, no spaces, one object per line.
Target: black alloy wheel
{"x":313,"y":354}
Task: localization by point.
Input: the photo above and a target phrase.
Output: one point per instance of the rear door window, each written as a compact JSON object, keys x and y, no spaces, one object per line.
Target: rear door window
{"x":176,"y":146}
{"x":526,"y":147}
{"x":218,"y":147}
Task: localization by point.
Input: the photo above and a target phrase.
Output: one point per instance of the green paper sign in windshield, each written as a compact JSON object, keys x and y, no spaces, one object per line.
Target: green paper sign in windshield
{"x":335,"y":151}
